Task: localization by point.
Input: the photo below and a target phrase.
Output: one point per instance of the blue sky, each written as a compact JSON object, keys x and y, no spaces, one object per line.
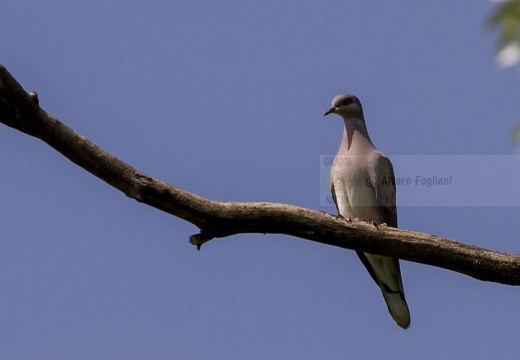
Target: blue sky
{"x":225,"y":99}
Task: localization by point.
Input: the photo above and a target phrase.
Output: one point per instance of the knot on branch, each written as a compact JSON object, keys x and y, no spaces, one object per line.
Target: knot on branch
{"x":34,"y":97}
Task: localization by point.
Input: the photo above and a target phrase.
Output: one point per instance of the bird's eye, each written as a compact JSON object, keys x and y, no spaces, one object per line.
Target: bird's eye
{"x":347,"y":101}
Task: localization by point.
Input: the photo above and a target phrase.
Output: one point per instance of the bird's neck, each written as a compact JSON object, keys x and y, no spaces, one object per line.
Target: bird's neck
{"x":355,"y":135}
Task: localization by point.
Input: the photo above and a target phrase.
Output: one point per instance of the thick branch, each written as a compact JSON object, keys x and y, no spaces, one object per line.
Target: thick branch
{"x":21,"y":111}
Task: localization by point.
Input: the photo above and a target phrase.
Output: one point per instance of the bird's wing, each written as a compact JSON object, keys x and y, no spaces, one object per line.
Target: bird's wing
{"x":385,"y":191}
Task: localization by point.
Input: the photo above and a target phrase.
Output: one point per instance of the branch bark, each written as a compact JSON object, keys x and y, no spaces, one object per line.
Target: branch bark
{"x":21,"y":111}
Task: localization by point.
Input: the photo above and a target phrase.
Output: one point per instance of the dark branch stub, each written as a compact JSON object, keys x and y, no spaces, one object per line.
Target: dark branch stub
{"x":200,"y":239}
{"x":34,"y":97}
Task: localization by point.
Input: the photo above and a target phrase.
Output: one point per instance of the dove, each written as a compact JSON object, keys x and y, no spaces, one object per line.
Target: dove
{"x":363,"y":187}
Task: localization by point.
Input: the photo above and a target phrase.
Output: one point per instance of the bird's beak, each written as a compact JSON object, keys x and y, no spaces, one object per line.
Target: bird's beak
{"x":332,"y":110}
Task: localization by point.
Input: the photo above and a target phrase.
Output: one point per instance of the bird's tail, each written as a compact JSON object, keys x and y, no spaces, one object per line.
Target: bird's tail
{"x":397,"y":306}
{"x":387,"y":274}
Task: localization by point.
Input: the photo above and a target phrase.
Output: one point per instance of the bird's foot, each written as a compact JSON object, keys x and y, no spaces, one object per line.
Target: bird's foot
{"x":347,"y":219}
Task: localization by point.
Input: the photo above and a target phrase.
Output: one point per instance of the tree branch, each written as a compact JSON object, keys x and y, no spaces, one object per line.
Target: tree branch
{"x":21,"y":111}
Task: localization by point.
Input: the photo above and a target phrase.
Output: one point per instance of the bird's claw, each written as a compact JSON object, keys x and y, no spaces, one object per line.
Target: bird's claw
{"x":347,"y":219}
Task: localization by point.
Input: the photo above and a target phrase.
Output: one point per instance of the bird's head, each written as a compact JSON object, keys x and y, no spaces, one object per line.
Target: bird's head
{"x":346,"y":106}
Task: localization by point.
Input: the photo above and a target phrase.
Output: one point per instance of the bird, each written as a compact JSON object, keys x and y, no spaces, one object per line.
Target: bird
{"x":363,"y":187}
